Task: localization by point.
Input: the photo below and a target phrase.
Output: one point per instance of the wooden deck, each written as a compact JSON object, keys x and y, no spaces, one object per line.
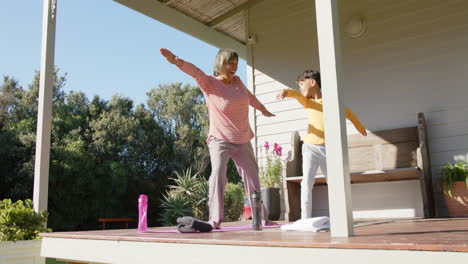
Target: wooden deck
{"x":434,"y":235}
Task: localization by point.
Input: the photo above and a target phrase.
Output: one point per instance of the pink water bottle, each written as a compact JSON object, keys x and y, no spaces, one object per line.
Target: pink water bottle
{"x":142,"y":213}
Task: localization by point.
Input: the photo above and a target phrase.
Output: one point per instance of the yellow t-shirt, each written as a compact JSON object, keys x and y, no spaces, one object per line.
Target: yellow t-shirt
{"x":315,"y":128}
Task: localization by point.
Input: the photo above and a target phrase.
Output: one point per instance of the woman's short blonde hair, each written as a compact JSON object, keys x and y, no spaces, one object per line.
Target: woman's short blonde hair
{"x":223,"y":56}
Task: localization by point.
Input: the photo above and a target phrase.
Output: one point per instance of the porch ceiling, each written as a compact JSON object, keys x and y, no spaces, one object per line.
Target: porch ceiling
{"x":225,"y":18}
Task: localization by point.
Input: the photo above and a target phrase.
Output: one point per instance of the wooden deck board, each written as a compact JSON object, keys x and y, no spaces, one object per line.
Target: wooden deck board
{"x":415,"y":234}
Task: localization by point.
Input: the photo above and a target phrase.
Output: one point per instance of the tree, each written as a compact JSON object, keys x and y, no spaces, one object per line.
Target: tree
{"x":103,"y":154}
{"x":181,"y":109}
{"x":109,"y":156}
{"x":10,"y":152}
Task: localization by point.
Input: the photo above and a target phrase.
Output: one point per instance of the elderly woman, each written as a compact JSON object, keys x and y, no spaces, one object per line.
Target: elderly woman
{"x":229,"y":135}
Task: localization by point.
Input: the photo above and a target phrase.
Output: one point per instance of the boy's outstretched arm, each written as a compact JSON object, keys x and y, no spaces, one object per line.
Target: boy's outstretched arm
{"x":281,"y":95}
{"x":299,"y":97}
{"x":357,"y":124}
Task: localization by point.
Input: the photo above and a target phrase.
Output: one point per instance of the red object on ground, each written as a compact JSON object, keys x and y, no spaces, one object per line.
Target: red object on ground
{"x":247,"y":212}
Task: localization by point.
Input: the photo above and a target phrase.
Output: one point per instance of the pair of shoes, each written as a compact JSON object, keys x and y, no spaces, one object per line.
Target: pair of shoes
{"x":188,"y":224}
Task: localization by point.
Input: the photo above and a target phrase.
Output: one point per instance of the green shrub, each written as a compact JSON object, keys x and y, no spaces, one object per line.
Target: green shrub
{"x":18,"y":221}
{"x":233,"y":202}
{"x":188,"y":197}
{"x":452,"y":173}
{"x":200,"y":200}
{"x":173,"y":207}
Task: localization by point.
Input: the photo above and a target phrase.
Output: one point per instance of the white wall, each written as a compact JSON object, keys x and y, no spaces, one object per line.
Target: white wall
{"x":412,"y":58}
{"x":400,"y":199}
{"x":23,"y":251}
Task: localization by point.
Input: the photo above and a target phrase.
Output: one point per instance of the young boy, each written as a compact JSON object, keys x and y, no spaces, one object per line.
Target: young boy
{"x":313,"y":149}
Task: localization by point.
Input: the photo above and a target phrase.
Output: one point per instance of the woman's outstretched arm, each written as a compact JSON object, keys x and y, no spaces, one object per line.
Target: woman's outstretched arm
{"x":171,"y":58}
{"x":200,"y":77}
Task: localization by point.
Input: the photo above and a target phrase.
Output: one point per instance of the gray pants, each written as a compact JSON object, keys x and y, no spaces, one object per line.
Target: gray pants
{"x":244,"y":158}
{"x":313,"y":156}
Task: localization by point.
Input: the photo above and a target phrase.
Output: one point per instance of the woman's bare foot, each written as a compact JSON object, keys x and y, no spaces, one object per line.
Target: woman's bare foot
{"x":214,"y":225}
{"x":268,"y":223}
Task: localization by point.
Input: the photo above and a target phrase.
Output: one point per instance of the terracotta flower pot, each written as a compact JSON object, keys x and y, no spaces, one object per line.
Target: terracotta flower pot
{"x":457,"y":205}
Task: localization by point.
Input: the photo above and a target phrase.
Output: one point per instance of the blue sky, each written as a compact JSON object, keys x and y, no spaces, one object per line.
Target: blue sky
{"x":105,"y":48}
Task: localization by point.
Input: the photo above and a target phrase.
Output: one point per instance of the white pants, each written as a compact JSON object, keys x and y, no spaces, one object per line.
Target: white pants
{"x":313,"y":156}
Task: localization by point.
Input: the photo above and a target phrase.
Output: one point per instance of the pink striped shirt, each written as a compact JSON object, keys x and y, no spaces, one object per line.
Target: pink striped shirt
{"x":228,"y":106}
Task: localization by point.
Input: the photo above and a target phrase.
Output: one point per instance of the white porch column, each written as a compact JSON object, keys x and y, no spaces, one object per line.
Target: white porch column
{"x":249,"y":51}
{"x":44,"y":115}
{"x":339,"y":189}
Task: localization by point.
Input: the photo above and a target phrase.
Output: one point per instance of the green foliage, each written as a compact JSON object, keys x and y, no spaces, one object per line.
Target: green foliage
{"x":452,"y":173}
{"x":110,"y":153}
{"x":173,"y":208}
{"x":193,"y":188}
{"x":233,"y":202}
{"x":18,"y":221}
{"x":103,"y":154}
{"x":272,"y":168}
{"x":200,"y":203}
{"x":231,"y":173}
{"x":189,"y":196}
{"x":17,"y":138}
{"x":183,"y":113}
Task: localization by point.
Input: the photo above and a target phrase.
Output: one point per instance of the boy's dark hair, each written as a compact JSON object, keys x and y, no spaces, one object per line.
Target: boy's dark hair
{"x":310,"y":74}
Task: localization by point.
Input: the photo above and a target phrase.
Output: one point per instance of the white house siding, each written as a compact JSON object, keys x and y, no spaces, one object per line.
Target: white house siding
{"x":412,"y":58}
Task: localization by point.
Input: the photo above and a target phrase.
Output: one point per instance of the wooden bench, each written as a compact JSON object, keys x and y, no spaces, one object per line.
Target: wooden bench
{"x":115,"y":220}
{"x":390,"y":155}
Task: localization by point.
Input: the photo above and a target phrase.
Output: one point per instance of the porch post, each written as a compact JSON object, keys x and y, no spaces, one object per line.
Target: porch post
{"x":339,"y":189}
{"x":44,"y":114}
{"x":249,"y":51}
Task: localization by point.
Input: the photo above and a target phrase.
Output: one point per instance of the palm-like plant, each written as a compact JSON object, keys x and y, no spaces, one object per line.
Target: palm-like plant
{"x":173,"y":207}
{"x":451,"y":173}
{"x":185,"y":183}
{"x":200,"y":201}
{"x":188,"y":196}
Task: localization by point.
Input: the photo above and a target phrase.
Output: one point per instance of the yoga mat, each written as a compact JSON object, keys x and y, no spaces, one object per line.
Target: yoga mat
{"x":222,"y":229}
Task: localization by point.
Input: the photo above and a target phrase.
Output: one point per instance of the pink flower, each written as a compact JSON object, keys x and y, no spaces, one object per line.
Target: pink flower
{"x":278,"y":151}
{"x":267,"y":146}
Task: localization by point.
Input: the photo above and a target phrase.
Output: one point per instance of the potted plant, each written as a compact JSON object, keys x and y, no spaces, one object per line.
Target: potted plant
{"x":454,"y":183}
{"x":19,"y":231}
{"x":270,"y":179}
